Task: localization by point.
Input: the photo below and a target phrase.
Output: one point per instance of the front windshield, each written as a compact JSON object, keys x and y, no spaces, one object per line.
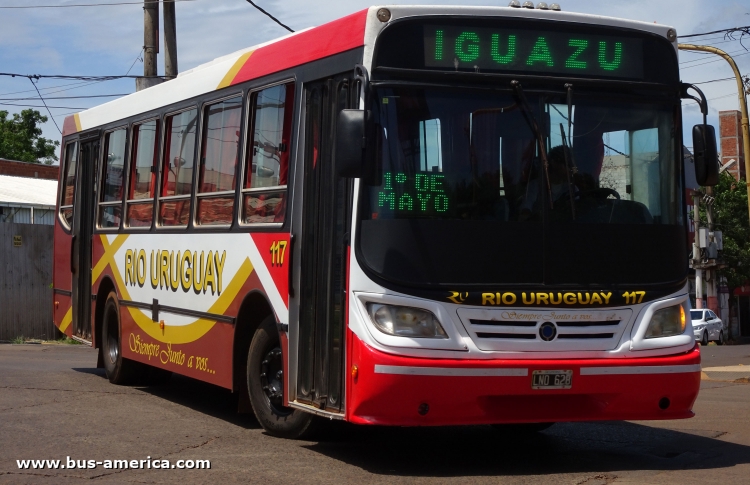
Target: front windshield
{"x":696,"y":314}
{"x":470,"y":158}
{"x":472,"y":155}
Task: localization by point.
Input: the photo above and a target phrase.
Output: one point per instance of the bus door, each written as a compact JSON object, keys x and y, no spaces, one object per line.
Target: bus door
{"x":326,"y":213}
{"x":82,"y":230}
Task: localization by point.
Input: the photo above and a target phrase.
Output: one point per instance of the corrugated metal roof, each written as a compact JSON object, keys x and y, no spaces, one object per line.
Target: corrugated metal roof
{"x":27,"y":191}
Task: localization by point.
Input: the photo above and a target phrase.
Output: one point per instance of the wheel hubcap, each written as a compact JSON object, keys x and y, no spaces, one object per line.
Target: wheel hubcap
{"x":272,"y":380}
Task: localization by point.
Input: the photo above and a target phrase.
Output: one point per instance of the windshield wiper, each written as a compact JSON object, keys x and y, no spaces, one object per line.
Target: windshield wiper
{"x":570,"y":164}
{"x":528,"y":115}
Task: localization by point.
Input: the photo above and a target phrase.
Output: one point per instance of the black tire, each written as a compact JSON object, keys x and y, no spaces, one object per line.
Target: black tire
{"x":721,"y":338}
{"x":704,"y":339}
{"x":265,"y":382}
{"x":522,"y":428}
{"x":119,"y":370}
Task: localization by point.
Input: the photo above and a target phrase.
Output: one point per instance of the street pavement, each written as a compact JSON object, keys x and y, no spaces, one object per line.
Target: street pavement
{"x":55,"y":404}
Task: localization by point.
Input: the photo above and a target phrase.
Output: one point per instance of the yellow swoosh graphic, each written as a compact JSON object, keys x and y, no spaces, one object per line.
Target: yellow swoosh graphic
{"x":230,"y":75}
{"x":67,"y":319}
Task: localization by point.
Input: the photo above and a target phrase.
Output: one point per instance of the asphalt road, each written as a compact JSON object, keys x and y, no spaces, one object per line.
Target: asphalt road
{"x":54,"y":404}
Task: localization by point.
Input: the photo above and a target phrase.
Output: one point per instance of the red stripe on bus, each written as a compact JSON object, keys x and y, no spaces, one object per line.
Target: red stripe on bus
{"x":332,"y":38}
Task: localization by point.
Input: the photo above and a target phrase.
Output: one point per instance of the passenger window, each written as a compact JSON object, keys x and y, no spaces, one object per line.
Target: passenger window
{"x":177,"y":168}
{"x":69,"y":183}
{"x":143,"y":164}
{"x":267,"y":166}
{"x":219,"y":154}
{"x":110,"y":203}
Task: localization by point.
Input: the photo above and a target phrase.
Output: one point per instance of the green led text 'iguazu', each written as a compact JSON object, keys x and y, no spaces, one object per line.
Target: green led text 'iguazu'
{"x":485,"y":49}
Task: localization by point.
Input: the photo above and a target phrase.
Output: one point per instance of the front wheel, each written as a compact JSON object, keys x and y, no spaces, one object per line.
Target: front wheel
{"x":721,"y":338}
{"x":704,"y":340}
{"x":265,"y":378}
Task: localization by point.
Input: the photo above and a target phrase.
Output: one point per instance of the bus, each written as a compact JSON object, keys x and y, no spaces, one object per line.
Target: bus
{"x":410,"y":216}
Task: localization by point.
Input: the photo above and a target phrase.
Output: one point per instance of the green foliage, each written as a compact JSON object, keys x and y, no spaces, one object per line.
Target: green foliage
{"x":731,"y":218}
{"x":68,"y":341}
{"x":18,"y":340}
{"x":21,"y":138}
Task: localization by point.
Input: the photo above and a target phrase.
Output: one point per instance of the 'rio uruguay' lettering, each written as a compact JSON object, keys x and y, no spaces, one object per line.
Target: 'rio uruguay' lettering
{"x":173,"y":270}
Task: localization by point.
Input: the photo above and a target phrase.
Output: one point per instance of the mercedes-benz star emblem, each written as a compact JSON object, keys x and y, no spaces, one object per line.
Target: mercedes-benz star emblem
{"x":548,"y":331}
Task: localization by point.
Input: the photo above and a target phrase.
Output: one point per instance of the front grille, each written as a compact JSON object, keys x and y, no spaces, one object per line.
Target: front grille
{"x":519,"y":329}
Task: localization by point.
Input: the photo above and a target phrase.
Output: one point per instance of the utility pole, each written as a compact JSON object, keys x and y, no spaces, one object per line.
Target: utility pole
{"x":150,"y":46}
{"x":150,"y":37}
{"x":697,"y":260}
{"x":170,"y":41}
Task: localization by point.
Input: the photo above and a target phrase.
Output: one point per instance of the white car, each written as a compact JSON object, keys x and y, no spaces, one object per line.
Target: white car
{"x":707,"y":326}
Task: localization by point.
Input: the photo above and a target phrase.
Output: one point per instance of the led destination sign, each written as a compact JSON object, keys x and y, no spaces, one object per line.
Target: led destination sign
{"x":539,"y":51}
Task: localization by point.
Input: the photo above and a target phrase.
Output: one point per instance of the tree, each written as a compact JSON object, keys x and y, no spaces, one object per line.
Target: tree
{"x":731,"y":218}
{"x":21,"y":138}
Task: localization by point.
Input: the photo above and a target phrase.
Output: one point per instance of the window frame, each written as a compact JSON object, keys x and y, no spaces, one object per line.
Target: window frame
{"x":102,"y":178}
{"x":198,"y":196}
{"x":160,"y":169}
{"x":127,"y":183}
{"x":250,"y":126}
{"x":63,"y":184}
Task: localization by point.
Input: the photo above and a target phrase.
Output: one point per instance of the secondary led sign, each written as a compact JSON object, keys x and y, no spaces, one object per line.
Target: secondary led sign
{"x":422,"y":193}
{"x":539,"y":51}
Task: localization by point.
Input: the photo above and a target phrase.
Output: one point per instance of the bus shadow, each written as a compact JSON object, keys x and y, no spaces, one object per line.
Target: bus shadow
{"x":204,"y":398}
{"x":199,"y":396}
{"x":564,"y":448}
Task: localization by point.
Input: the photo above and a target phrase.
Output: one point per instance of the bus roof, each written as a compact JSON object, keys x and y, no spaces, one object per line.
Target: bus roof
{"x":356,"y":30}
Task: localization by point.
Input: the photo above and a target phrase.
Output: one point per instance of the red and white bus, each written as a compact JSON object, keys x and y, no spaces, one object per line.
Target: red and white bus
{"x":408,"y":216}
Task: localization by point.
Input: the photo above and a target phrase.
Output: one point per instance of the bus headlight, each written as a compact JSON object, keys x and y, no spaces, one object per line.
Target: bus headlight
{"x":666,"y":322}
{"x":404,"y":321}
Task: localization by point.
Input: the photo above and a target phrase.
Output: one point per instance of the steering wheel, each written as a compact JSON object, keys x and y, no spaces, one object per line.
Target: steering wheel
{"x":601,"y":193}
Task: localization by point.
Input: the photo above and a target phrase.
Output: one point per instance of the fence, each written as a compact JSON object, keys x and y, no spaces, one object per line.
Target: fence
{"x":25,"y":281}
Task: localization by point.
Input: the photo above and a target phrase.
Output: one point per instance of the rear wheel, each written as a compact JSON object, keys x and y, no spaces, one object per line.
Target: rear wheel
{"x":118,"y":369}
{"x":721,"y":338}
{"x":704,"y":340}
{"x":265,"y":378}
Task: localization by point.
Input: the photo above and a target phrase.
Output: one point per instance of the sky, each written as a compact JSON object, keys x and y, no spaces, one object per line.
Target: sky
{"x":107,"y":40}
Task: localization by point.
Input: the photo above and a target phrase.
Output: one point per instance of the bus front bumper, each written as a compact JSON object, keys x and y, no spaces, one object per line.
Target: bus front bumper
{"x":405,"y":391}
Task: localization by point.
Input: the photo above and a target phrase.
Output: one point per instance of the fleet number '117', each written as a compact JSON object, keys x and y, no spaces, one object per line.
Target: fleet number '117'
{"x":278,"y":251}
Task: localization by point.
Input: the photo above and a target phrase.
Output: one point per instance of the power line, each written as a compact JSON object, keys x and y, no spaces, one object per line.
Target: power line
{"x":712,"y":81}
{"x":710,"y":54}
{"x":734,"y":29}
{"x":62,"y":76}
{"x":716,"y":60}
{"x":45,"y":105}
{"x":96,"y":4}
{"x":269,"y":15}
{"x":137,"y":58}
{"x":68,"y":97}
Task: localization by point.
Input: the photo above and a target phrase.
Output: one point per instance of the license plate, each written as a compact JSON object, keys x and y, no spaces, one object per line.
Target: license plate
{"x":552,"y":379}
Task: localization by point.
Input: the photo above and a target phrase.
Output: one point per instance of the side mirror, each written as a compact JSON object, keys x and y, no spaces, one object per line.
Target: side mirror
{"x":350,"y":143}
{"x":705,"y":155}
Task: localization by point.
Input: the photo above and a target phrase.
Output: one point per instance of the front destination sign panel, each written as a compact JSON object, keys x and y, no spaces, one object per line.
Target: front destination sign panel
{"x":539,"y":51}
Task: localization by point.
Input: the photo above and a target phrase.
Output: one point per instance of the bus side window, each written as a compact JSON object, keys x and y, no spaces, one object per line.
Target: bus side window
{"x":267,"y":164}
{"x":69,"y":184}
{"x":177,"y":169}
{"x":143,"y":163}
{"x":219,"y":154}
{"x":110,"y":201}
